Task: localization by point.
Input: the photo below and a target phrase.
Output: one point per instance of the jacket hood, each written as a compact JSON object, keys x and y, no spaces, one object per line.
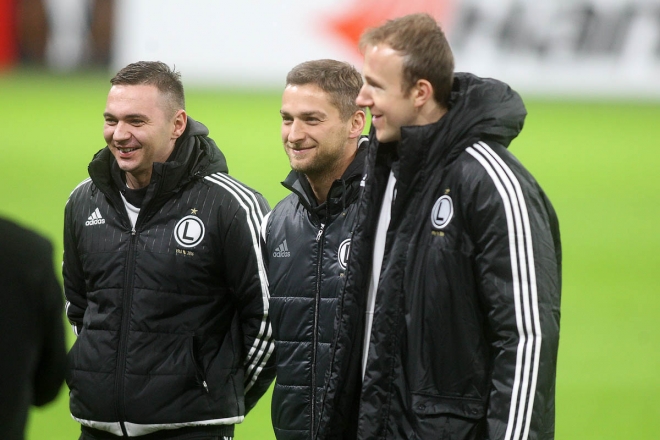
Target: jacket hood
{"x":485,"y":109}
{"x":479,"y":109}
{"x":197,"y":152}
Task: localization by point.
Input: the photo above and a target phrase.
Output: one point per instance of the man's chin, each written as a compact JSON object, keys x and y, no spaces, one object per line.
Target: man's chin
{"x":387,"y":135}
{"x":125,"y":166}
{"x":297,"y":165}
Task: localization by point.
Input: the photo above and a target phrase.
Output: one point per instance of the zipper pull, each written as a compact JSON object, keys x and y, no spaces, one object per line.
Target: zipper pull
{"x":318,"y":236}
{"x":133,"y":232}
{"x":206,"y":387}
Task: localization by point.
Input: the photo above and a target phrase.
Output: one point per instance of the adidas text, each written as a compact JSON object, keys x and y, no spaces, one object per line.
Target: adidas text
{"x":95,"y":218}
{"x":282,"y":251}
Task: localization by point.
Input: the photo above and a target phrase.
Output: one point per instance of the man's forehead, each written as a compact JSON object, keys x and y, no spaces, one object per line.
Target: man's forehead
{"x":139,"y":93}
{"x":129,"y":101}
{"x":306,"y":99}
{"x":382,"y":53}
{"x":138,"y":96}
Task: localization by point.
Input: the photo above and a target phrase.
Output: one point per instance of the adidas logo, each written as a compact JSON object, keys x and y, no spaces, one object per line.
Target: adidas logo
{"x":282,"y":251}
{"x":95,"y":218}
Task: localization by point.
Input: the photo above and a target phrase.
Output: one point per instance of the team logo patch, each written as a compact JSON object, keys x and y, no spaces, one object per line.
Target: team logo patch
{"x":342,"y":253}
{"x":189,"y":231}
{"x":442,"y":212}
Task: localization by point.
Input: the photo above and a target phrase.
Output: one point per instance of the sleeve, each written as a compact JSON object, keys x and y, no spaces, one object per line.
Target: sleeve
{"x":263,"y":240}
{"x":248,"y":278}
{"x":72,"y":273}
{"x":51,"y":367}
{"x":518,"y":275}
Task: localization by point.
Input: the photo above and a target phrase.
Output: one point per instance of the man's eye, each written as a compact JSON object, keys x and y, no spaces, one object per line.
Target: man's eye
{"x":110,"y":122}
{"x":137,"y":122}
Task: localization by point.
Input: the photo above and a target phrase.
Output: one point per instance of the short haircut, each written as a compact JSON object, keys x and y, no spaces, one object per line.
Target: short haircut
{"x":424,"y":48}
{"x":154,"y":73}
{"x":340,"y":80}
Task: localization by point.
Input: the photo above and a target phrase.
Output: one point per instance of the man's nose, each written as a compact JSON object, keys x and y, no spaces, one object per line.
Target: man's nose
{"x":296,"y":132}
{"x":122,"y":132}
{"x":364,"y":98}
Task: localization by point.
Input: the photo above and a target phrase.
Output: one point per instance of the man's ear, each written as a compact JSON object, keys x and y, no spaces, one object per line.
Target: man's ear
{"x":422,"y":92}
{"x":357,"y":124}
{"x":180,"y":122}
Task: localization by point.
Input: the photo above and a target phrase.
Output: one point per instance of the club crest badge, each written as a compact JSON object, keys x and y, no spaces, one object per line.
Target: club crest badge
{"x":189,"y":231}
{"x":342,"y":253}
{"x":442,"y":212}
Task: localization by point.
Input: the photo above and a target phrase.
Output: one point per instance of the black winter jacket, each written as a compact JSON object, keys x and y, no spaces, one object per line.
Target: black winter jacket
{"x":466,"y":323}
{"x":32,"y":348}
{"x":306,"y":248}
{"x":171,"y":316}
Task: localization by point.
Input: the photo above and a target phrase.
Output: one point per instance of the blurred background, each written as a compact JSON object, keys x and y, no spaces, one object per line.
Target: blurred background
{"x":588,"y":70}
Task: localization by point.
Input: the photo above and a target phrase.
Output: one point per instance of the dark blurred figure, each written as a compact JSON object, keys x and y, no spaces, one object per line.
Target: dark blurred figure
{"x":32,"y":347}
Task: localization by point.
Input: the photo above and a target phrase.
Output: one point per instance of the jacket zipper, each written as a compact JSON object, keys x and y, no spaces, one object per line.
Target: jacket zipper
{"x":198,"y":365}
{"x":317,"y":303}
{"x":126,"y":305}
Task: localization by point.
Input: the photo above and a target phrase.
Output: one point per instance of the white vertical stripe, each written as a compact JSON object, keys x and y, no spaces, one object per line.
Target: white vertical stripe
{"x":264,"y":223}
{"x":518,"y":414}
{"x":522,"y":263}
{"x":524,"y":385}
{"x":250,"y":204}
{"x":377,"y":262}
{"x":532,"y":284}
{"x":516,"y":287}
{"x":67,"y":304}
{"x":257,"y":356}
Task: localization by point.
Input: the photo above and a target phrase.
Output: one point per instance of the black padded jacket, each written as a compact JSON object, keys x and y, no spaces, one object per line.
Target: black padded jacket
{"x":172,"y":315}
{"x":306,"y":249}
{"x":466,"y":320}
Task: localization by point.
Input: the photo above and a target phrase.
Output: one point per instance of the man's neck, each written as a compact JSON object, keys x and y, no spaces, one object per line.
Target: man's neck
{"x":322,"y":183}
{"x":321,"y":186}
{"x":137,"y":182}
{"x":430,"y":114}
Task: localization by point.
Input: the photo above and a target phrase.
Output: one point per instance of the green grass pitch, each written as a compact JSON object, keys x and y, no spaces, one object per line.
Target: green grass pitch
{"x":598,"y":162}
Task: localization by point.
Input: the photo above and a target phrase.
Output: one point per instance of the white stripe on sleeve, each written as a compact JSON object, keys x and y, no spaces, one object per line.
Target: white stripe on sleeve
{"x":263,"y":345}
{"x":524,"y":289}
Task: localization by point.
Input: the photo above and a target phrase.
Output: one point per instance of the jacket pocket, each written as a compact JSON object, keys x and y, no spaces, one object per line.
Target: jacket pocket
{"x":444,"y":417}
{"x":200,"y":374}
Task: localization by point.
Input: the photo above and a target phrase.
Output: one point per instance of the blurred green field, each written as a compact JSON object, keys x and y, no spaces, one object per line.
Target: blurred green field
{"x":598,"y":162}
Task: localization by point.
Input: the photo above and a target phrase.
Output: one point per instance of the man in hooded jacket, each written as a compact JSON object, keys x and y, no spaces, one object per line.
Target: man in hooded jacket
{"x":307,"y":236}
{"x":455,"y":259}
{"x":163,"y":275}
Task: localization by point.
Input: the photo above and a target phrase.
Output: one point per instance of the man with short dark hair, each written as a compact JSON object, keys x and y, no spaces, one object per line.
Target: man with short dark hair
{"x":163,"y":275}
{"x":457,"y":251}
{"x":307,"y":235}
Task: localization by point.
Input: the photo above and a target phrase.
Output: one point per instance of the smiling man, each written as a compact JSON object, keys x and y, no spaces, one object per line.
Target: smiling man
{"x":307,"y":235}
{"x":456,"y":248}
{"x":163,"y":275}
